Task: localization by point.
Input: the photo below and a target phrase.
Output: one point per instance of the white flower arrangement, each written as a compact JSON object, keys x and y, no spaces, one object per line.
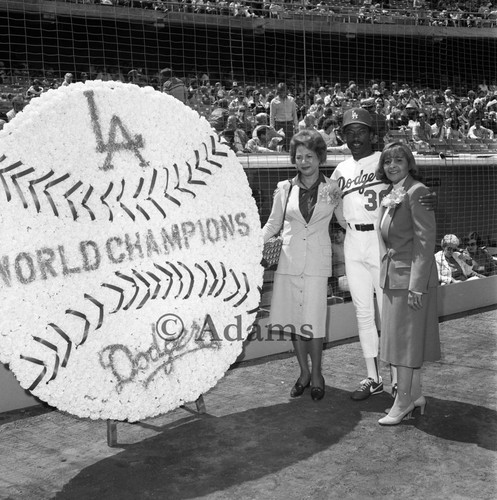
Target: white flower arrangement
{"x":394,"y":198}
{"x":331,"y":193}
{"x":131,"y":249}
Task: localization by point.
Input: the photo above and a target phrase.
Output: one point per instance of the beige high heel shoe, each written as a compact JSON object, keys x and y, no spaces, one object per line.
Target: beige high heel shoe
{"x":388,"y":420}
{"x":419,"y":403}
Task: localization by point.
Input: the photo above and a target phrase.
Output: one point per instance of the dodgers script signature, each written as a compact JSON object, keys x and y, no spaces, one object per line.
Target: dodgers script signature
{"x":142,"y":367}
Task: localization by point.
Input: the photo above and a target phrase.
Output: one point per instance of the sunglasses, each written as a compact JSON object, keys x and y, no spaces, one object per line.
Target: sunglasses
{"x":472,"y":244}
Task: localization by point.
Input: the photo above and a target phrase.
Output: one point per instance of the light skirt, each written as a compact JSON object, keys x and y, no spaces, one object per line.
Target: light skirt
{"x":299,"y":304}
{"x":409,"y":337}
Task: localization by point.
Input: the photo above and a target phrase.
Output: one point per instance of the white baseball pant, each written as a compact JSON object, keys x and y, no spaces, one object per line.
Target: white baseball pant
{"x":362,"y":267}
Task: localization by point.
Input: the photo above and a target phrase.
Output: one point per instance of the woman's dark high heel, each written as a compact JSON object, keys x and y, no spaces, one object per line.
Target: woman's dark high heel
{"x":317,"y":393}
{"x":298,"y":389}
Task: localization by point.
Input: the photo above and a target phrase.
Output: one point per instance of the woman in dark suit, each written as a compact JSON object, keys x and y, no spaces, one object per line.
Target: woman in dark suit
{"x":300,"y":282}
{"x":408,"y":276}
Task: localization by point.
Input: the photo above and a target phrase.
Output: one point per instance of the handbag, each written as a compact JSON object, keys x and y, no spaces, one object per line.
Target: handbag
{"x":272,"y":248}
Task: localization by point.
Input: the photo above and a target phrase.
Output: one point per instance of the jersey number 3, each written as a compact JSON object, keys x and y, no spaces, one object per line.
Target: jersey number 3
{"x":373,"y":199}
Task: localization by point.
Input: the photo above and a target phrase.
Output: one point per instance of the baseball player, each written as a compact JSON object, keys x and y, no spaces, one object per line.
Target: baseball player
{"x":358,"y":213}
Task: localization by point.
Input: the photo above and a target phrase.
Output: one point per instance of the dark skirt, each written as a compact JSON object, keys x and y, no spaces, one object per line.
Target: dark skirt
{"x":409,"y":337}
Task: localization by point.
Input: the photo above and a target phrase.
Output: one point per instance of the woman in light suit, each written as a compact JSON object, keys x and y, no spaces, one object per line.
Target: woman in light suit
{"x":408,"y":277}
{"x":300,"y":283}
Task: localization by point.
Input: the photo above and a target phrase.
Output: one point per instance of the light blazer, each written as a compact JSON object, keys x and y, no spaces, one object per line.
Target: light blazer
{"x":306,"y":245}
{"x":444,"y":270}
{"x":407,"y":257}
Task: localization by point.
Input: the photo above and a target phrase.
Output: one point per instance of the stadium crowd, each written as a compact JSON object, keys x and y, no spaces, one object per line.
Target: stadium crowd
{"x":450,"y":13}
{"x":423,"y":117}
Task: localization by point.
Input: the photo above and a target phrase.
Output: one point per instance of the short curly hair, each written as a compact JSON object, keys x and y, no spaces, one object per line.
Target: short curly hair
{"x":310,"y":139}
{"x":449,"y":240}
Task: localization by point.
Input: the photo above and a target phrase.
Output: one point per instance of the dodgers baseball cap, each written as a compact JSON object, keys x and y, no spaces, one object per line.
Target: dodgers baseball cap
{"x":357,"y":115}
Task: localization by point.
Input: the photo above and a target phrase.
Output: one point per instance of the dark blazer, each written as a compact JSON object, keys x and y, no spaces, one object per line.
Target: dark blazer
{"x":407,"y":256}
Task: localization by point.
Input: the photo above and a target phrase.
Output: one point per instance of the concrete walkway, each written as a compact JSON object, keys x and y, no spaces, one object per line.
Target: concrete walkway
{"x":255,"y":442}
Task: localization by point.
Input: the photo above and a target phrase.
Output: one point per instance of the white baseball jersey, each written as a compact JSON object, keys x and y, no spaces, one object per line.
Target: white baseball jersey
{"x":362,"y":192}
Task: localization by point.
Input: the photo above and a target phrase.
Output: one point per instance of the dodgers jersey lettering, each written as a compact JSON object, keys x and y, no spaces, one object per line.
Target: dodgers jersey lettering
{"x":362,"y":192}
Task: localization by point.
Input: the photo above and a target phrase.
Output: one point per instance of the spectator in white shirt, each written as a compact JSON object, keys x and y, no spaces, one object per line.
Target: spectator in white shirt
{"x":35,"y":90}
{"x":421,"y":132}
{"x":67,"y":80}
{"x":477,"y":131}
{"x":17,"y":106}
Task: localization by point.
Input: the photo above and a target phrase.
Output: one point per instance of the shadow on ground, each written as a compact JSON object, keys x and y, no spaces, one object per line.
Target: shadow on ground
{"x":214,"y":453}
{"x":461,"y":422}
{"x":196,"y":457}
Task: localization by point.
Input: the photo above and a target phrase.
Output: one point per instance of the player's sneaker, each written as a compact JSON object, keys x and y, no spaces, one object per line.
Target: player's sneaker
{"x":367,"y":388}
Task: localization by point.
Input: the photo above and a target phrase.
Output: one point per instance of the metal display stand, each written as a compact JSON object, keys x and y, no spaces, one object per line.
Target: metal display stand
{"x":112,"y":424}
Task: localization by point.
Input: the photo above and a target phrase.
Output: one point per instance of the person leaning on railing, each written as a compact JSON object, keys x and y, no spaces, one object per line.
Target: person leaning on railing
{"x":263,"y":141}
{"x":490,"y":122}
{"x":477,"y":131}
{"x":451,"y":263}
{"x":483,"y":262}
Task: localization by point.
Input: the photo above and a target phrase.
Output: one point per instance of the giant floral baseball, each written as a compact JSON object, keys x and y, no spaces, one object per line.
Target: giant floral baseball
{"x":130,"y":256}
